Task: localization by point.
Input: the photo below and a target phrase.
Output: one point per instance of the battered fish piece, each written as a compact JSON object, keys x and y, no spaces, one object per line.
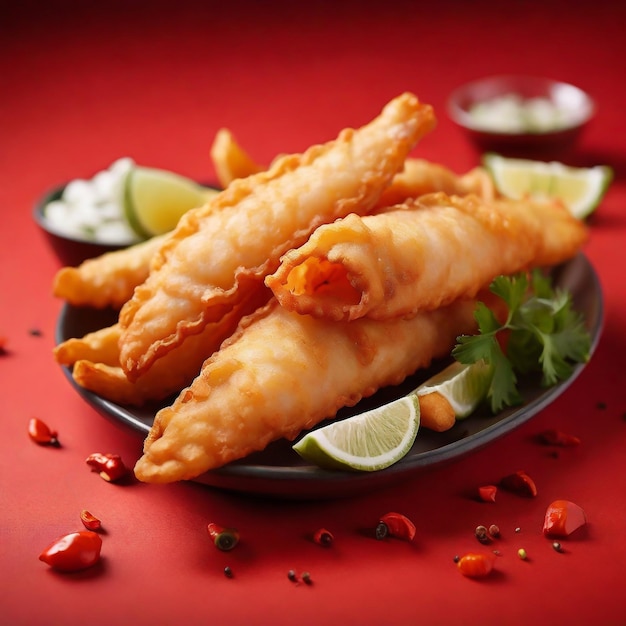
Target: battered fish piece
{"x":219,"y":251}
{"x":230,"y":160}
{"x":420,"y":177}
{"x":109,"y":279}
{"x":421,"y":255}
{"x":95,"y":359}
{"x":281,"y":373}
{"x":100,"y":346}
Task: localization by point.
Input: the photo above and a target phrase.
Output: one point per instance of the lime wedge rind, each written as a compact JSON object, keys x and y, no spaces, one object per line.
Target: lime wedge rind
{"x":465,"y":386}
{"x":580,"y":189}
{"x":154,"y":200}
{"x":368,"y":442}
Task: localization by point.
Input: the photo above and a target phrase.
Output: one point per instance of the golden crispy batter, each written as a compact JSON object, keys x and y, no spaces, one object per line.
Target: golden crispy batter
{"x":281,"y":373}
{"x":420,"y":177}
{"x":421,"y":255}
{"x":103,"y":375}
{"x":109,"y":279}
{"x":100,"y":345}
{"x":220,"y":250}
{"x":230,"y":160}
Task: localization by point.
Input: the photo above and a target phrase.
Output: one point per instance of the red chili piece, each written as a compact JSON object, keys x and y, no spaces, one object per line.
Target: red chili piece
{"x":520,"y":483}
{"x":90,"y":522}
{"x":73,"y":552}
{"x":3,"y":345}
{"x":553,"y":437}
{"x":476,"y":564}
{"x":563,"y":518}
{"x":224,"y":538}
{"x":41,"y":433}
{"x":487,"y":493}
{"x":323,"y":537}
{"x":110,"y":466}
{"x":395,"y":525}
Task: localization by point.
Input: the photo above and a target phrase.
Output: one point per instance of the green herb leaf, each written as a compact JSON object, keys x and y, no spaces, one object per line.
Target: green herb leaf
{"x":544,"y":334}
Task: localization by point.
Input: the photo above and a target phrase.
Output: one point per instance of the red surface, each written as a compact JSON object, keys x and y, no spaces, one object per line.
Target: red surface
{"x":81,"y":87}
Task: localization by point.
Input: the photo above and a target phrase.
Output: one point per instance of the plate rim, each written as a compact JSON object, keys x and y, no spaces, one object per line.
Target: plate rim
{"x":312,"y":481}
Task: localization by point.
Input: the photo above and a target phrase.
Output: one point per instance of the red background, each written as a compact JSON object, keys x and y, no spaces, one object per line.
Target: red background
{"x":84,"y":84}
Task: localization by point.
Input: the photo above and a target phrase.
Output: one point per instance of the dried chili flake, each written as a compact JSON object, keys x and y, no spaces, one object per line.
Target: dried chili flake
{"x":562,"y":518}
{"x":554,"y":437}
{"x":323,"y":537}
{"x":487,"y":493}
{"x":395,"y":525}
{"x":41,"y":433}
{"x":225,"y":539}
{"x":90,"y":522}
{"x":476,"y":565}
{"x":73,"y":552}
{"x":520,"y":483}
{"x":110,"y":466}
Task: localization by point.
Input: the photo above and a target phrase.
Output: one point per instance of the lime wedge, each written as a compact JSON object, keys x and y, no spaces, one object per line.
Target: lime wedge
{"x":580,"y":188}
{"x":367,"y":442}
{"x":154,"y":200}
{"x":464,"y":386}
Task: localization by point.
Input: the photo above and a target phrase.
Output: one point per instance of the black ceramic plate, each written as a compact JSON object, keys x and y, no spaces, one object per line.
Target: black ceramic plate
{"x":279,"y":471}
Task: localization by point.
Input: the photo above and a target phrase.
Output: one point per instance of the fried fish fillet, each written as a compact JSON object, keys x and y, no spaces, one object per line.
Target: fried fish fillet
{"x":100,"y":345}
{"x":230,"y":160}
{"x":281,"y":373}
{"x":220,"y":250}
{"x":421,"y":255}
{"x":420,"y":177}
{"x":95,"y":359}
{"x":109,"y":279}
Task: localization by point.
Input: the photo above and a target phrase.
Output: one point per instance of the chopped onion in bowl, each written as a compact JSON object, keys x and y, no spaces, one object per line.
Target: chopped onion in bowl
{"x":92,"y":210}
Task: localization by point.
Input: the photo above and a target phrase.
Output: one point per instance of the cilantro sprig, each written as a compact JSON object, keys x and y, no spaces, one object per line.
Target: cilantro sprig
{"x":542,"y":332}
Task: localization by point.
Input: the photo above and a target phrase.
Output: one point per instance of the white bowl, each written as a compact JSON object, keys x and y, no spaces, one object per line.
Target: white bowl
{"x":497,"y":114}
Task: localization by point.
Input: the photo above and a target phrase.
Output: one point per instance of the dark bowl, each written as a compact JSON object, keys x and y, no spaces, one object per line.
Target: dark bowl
{"x":71,"y":251}
{"x":549,"y":144}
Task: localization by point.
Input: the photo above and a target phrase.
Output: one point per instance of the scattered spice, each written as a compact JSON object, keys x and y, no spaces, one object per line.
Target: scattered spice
{"x":73,"y":552}
{"x":306,"y":577}
{"x":35,"y":332}
{"x":563,"y":518}
{"x":494,"y":531}
{"x":522,"y":554}
{"x":225,"y":539}
{"x":481,"y":534}
{"x":110,"y":466}
{"x":228,"y":572}
{"x":395,"y":525}
{"x":476,"y":565}
{"x":553,"y":437}
{"x":519,"y":483}
{"x":456,"y":558}
{"x":557,"y":546}
{"x":518,"y":530}
{"x":601,"y":405}
{"x":323,"y":537}
{"x":291,"y":575}
{"x":90,"y":522}
{"x":487,"y":493}
{"x":41,"y":433}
